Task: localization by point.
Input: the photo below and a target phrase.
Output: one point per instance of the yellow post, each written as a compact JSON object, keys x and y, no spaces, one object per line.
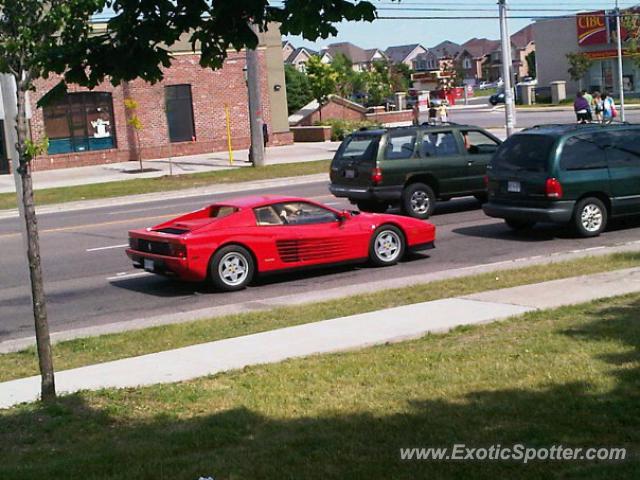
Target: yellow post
{"x":226,"y":111}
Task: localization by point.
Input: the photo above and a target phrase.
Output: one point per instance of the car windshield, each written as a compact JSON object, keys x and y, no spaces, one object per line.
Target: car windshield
{"x":358,"y":149}
{"x":523,"y":153}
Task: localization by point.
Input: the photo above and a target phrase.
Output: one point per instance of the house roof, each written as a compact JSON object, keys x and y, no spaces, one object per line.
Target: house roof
{"x":446,"y":49}
{"x":479,"y":47}
{"x":295,"y":53}
{"x":523,"y":37}
{"x":371,"y":52}
{"x":351,"y":51}
{"x":399,"y":53}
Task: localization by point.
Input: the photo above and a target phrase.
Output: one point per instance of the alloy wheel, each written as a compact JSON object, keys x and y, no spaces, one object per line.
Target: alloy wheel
{"x":388,"y":246}
{"x":233,"y":269}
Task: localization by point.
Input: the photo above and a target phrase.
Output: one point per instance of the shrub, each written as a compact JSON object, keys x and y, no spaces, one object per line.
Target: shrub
{"x":341,"y":128}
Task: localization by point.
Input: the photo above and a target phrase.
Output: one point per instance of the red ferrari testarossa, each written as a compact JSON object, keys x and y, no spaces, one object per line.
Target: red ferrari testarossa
{"x":229,"y":242}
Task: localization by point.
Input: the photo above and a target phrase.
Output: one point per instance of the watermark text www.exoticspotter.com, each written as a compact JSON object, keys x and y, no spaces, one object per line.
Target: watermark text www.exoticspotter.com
{"x":513,"y":453}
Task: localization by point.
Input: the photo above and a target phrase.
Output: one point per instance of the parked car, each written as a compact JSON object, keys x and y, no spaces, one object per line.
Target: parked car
{"x":412,"y":166}
{"x":228,"y":243}
{"x":577,"y":174}
{"x":496,"y":98}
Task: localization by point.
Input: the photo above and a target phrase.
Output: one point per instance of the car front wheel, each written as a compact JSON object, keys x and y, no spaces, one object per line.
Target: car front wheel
{"x":387,"y":246}
{"x":418,"y":200}
{"x":590,"y":217}
{"x":232,"y":268}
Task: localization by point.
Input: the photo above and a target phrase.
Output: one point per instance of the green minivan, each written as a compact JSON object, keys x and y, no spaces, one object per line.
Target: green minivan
{"x":578,"y":174}
{"x":412,"y":166}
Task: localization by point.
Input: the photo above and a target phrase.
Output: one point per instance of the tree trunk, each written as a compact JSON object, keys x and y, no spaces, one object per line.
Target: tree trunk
{"x":48,"y":389}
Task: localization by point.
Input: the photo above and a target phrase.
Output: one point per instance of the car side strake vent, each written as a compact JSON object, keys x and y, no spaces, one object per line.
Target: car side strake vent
{"x":288,"y":250}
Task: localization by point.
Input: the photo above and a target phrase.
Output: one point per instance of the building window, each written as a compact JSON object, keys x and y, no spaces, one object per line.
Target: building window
{"x":466,"y":63}
{"x":80,"y":122}
{"x":180,"y":113}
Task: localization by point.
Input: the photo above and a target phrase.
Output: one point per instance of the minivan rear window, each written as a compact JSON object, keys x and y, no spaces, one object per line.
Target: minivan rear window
{"x":358,"y":149}
{"x":524,"y":153}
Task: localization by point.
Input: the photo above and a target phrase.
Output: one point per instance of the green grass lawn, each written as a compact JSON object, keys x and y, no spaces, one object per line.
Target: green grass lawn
{"x":162,"y":184}
{"x":92,"y":350}
{"x":568,"y":377}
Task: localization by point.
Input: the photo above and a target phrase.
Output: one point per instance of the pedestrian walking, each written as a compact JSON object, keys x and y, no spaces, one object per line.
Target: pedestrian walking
{"x":443,"y":114}
{"x":598,"y":106}
{"x":581,"y":107}
{"x":609,"y":111}
{"x":433,"y":113}
{"x":589,"y":98}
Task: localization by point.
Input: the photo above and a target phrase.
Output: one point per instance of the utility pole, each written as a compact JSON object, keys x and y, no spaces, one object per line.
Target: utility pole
{"x":620,"y":74}
{"x":510,"y":113}
{"x":256,"y":150}
{"x":28,"y":223}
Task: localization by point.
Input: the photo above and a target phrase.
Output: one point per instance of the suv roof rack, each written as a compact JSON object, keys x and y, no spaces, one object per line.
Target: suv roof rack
{"x":574,"y":126}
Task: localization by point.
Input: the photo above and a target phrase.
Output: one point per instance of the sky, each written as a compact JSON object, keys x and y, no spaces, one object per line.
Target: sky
{"x":429,"y":32}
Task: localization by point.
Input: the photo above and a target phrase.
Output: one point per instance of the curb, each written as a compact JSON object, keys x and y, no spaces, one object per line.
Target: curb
{"x":221,"y":188}
{"x":317,"y":296}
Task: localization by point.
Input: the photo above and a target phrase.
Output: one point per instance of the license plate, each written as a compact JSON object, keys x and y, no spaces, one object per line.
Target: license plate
{"x":148,"y":265}
{"x":349,"y":174}
{"x":514,"y":187}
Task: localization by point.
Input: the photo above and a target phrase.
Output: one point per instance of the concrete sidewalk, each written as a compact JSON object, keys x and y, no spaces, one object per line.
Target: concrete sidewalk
{"x":340,"y":334}
{"x":111,"y":172}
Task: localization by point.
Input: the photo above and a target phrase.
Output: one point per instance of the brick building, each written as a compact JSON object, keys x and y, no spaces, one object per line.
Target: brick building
{"x":182,"y":115}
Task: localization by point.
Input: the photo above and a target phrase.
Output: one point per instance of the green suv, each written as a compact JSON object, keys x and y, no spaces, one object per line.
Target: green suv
{"x":579,"y":174}
{"x":412,"y":166}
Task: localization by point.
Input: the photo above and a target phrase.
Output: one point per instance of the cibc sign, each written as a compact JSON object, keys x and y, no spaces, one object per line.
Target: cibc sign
{"x":592,"y":28}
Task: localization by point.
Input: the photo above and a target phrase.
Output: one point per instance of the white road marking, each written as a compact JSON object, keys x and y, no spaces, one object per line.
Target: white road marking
{"x":127,"y":276}
{"x":107,"y":248}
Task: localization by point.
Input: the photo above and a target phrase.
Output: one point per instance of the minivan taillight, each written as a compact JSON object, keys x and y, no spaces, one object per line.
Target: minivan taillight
{"x":553,"y":188}
{"x":376,"y":176}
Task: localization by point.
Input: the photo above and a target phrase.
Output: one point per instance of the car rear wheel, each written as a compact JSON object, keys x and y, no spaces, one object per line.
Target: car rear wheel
{"x":387,"y":246}
{"x":232,"y":268}
{"x":418,"y":200}
{"x":373,"y":207}
{"x":519,"y":225}
{"x":590,"y":217}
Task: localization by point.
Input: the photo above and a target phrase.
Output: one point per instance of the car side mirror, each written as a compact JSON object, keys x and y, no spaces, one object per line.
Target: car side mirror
{"x":344,"y":216}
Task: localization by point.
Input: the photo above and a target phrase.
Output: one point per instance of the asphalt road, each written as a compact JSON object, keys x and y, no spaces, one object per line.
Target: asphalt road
{"x":90,"y":281}
{"x":488,"y":117}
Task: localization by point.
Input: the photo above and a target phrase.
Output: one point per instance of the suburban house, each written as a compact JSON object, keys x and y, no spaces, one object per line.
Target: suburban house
{"x":426,"y":62}
{"x":523,"y":44}
{"x":299,"y":58}
{"x":287,"y":49}
{"x":361,"y":59}
{"x":478,"y":50}
{"x":404,"y":53}
{"x":446,"y":52}
{"x":183,"y":114}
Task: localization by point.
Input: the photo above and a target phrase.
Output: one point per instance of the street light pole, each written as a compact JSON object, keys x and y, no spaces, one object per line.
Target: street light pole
{"x":620,"y":73}
{"x":510,"y":113}
{"x":256,"y":150}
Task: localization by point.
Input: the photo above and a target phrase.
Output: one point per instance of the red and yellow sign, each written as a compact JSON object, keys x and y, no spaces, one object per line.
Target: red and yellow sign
{"x":592,"y":28}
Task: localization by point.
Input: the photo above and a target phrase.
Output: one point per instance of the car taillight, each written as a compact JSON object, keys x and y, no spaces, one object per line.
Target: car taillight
{"x":486,"y":181}
{"x":376,"y":176}
{"x":178,"y":250}
{"x":553,"y":188}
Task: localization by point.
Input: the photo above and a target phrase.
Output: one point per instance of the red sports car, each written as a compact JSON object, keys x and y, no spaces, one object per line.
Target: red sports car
{"x":229,"y":242}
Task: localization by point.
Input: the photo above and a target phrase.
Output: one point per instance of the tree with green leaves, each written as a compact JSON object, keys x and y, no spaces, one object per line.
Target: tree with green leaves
{"x":531,"y":64}
{"x":322,"y":80}
{"x":379,"y":87}
{"x":298,"y":89}
{"x":579,"y":65}
{"x":345,"y":75}
{"x":39,"y":38}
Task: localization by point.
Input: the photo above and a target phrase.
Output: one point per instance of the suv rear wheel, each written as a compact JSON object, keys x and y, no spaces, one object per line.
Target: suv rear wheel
{"x":418,"y":200}
{"x":590,"y":217}
{"x":371,"y":206}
